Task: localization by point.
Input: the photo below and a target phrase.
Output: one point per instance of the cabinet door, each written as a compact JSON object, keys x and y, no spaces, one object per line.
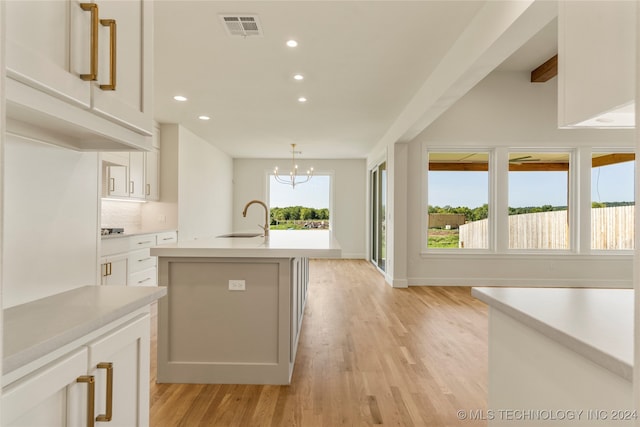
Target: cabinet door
{"x":49,"y":397}
{"x":114,"y":270}
{"x":48,"y":47}
{"x":152,"y":176}
{"x":136,"y":175}
{"x":117,"y":181}
{"x":123,"y":354}
{"x":129,"y":103}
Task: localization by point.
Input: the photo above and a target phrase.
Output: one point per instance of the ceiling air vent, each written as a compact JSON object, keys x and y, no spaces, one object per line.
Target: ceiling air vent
{"x":242,"y":25}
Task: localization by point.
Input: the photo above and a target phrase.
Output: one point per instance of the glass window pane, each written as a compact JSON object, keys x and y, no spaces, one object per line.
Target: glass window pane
{"x":304,"y":208}
{"x":458,"y":200}
{"x":538,"y":200}
{"x":612,"y":201}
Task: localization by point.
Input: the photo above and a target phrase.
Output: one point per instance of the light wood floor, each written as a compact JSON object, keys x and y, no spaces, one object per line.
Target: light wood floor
{"x":368,"y":355}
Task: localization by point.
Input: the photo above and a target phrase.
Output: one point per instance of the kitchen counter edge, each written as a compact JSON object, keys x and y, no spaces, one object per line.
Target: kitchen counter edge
{"x":530,"y":306}
{"x":38,"y":328}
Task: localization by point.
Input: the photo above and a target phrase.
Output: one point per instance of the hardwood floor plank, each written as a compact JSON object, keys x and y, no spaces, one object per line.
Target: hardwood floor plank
{"x":369,"y":355}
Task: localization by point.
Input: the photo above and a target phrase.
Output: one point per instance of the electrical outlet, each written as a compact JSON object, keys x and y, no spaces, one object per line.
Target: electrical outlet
{"x":236,"y":285}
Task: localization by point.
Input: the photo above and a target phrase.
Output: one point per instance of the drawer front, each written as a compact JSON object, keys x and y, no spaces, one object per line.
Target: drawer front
{"x":114,"y":245}
{"x":141,"y":260}
{"x":142,"y":241}
{"x":144,"y":278}
{"x":168,"y":237}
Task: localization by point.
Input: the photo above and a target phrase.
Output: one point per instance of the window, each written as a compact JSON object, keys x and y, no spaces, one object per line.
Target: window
{"x":538,"y":200}
{"x":458,"y":200}
{"x":612,"y":201}
{"x":307,"y":207}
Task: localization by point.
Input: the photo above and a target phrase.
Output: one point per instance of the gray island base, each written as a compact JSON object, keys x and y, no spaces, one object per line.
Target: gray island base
{"x":233,"y":319}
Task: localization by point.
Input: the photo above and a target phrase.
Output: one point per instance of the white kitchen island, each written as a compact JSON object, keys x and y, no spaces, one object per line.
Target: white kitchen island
{"x":234,"y":306}
{"x":559,"y":357}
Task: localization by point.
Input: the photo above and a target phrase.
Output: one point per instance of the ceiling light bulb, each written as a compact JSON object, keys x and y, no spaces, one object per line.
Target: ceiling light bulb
{"x":180,"y":98}
{"x":302,"y":99}
{"x":204,"y":117}
{"x":292,"y":43}
{"x":298,"y":77}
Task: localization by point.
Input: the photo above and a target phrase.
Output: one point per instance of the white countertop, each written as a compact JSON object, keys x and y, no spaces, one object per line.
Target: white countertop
{"x":135,"y":232}
{"x":37,"y":328}
{"x":596,"y":323}
{"x":281,"y":244}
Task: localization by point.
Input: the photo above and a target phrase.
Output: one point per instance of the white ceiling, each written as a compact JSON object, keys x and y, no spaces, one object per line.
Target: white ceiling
{"x":362,"y":61}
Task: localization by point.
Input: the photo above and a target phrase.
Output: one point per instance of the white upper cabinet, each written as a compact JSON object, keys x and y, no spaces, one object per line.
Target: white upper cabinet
{"x":124,"y":86}
{"x":596,"y":63}
{"x":80,"y":73}
{"x":52,"y":51}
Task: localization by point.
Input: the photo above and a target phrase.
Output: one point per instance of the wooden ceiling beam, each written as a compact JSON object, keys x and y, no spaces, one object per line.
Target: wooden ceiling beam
{"x":546,"y":71}
{"x":611,"y":159}
{"x":608,"y":159}
{"x":538,"y":167}
{"x":483,"y":167}
{"x":460,"y":167}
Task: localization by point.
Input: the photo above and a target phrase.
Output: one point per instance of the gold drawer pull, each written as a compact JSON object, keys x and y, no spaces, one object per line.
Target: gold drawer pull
{"x":93,"y":8}
{"x":111,"y":23}
{"x":91,"y":393}
{"x":109,"y":411}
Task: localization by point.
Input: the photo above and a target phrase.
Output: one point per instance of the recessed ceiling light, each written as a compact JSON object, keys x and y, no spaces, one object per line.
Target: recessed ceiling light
{"x":302,"y":99}
{"x":292,"y":43}
{"x":204,"y":117}
{"x":298,"y":77}
{"x":180,"y":98}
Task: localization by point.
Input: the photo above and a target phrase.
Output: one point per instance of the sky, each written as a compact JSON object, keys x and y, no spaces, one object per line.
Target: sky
{"x":312,"y":194}
{"x":613,"y":183}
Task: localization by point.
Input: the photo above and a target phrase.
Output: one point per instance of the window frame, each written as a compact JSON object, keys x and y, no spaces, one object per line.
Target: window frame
{"x":426,"y":150}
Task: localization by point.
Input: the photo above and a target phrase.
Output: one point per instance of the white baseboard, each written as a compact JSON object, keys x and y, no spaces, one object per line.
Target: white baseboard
{"x":353,"y":255}
{"x":520,"y":282}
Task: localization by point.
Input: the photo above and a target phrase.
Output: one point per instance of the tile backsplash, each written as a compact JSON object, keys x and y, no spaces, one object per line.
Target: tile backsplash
{"x":127,"y":215}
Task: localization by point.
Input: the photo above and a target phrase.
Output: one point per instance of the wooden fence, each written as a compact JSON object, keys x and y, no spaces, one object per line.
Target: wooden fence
{"x":611,"y":228}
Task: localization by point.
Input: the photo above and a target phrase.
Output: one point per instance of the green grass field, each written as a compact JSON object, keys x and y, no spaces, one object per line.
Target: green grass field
{"x":442,"y":238}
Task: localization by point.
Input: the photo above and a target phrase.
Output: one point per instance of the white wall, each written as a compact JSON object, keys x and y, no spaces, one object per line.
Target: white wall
{"x":51,"y":220}
{"x":505,"y":110}
{"x":196,"y":189}
{"x":349,"y":198}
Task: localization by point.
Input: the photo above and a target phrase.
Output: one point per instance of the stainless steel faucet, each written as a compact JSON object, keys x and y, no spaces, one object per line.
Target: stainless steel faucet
{"x":266,"y":215}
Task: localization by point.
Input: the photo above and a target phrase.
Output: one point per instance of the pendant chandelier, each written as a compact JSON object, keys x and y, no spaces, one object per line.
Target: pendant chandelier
{"x":292,"y":178}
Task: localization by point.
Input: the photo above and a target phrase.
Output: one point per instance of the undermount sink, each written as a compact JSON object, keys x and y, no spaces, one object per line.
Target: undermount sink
{"x":245,"y":235}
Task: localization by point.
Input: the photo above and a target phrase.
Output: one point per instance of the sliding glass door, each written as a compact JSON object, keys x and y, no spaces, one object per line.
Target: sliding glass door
{"x":378,"y":216}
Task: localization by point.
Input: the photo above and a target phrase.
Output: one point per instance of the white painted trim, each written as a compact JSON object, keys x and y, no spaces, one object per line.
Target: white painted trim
{"x":400,"y":283}
{"x":354,"y":255}
{"x":521,"y":282}
{"x":529,"y":256}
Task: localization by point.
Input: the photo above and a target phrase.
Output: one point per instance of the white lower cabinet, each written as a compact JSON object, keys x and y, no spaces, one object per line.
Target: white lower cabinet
{"x":126,"y":260}
{"x":74,"y":390}
{"x":115,"y":270}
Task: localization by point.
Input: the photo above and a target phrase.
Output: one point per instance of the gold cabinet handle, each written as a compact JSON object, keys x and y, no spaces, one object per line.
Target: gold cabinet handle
{"x":112,"y":184}
{"x":109,"y":265}
{"x":111,"y":23}
{"x":105,"y":269}
{"x":93,"y":8}
{"x":109,"y":410}
{"x":91,"y":393}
